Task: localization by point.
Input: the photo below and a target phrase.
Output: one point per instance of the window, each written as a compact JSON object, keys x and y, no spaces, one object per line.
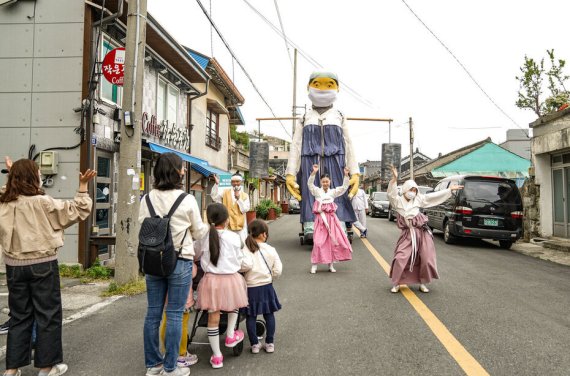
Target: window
{"x":212,"y":130}
{"x":109,"y":92}
{"x":166,"y":102}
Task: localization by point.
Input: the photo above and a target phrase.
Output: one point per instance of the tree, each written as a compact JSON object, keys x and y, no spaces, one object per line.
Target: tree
{"x":531,"y":83}
{"x":241,"y":138}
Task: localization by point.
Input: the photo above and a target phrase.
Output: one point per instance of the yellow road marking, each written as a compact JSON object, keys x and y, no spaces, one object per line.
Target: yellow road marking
{"x":463,"y":358}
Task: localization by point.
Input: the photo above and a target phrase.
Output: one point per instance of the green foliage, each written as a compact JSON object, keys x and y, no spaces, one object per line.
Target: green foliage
{"x":241,"y":138}
{"x":97,"y":271}
{"x":262,"y":210}
{"x":131,"y":288}
{"x":531,"y":84}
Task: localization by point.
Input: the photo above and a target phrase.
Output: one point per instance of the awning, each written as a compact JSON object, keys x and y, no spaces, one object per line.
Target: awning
{"x":199,"y":165}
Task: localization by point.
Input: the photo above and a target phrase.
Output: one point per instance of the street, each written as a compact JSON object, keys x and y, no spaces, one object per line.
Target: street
{"x":507,"y":311}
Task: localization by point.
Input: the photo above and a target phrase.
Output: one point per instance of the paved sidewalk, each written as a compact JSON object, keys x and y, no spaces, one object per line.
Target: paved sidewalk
{"x":543,"y":251}
{"x":78,"y":301}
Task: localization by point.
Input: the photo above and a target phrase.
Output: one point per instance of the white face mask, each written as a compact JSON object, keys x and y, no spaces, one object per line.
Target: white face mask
{"x":322,"y":98}
{"x":237,"y":188}
{"x":410,"y":195}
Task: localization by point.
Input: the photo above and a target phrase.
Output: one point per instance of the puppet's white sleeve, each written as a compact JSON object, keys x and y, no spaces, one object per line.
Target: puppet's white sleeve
{"x":294,"y":162}
{"x":216,"y":194}
{"x":351,"y":161}
{"x":435,"y":198}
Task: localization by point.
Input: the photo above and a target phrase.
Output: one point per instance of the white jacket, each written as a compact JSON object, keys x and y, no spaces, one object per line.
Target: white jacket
{"x":231,"y":259}
{"x":260,"y":273}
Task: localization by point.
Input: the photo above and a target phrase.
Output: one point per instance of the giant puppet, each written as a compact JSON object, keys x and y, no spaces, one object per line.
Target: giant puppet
{"x":321,"y":137}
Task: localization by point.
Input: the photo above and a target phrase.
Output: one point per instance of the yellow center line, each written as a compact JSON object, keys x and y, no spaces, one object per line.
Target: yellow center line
{"x":463,"y":358}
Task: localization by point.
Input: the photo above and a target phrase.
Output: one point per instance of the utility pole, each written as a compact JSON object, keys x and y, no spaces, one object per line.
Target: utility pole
{"x":294,"y":111}
{"x":411,"y":149}
{"x":126,"y":262}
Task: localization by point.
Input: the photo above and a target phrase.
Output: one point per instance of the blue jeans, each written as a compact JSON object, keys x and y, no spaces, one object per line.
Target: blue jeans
{"x":177,"y":285}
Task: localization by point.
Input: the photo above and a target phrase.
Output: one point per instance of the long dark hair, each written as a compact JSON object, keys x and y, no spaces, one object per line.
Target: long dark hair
{"x":217,"y":215}
{"x":167,"y":172}
{"x":254,"y":229}
{"x":23,"y":179}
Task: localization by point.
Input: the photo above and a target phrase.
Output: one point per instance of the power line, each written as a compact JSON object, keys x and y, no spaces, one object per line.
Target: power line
{"x":283,"y":31}
{"x":240,"y":65}
{"x":310,"y":59}
{"x":465,"y":69}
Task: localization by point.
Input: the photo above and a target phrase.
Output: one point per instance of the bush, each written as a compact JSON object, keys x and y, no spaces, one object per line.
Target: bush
{"x":262,"y":210}
{"x":97,"y":271}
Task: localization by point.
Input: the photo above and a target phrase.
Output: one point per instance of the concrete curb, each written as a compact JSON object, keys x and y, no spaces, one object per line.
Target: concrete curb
{"x":543,"y":253}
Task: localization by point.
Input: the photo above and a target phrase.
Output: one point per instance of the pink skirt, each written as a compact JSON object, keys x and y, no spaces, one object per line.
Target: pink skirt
{"x":222,"y":292}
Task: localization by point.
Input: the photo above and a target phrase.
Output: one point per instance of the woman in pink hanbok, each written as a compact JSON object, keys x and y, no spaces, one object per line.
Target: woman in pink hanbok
{"x":414,"y":257}
{"x":330,"y":243}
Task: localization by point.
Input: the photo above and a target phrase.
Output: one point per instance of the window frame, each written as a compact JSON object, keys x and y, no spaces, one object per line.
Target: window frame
{"x":216,"y":144}
{"x":117,"y":91}
{"x":167,"y":86}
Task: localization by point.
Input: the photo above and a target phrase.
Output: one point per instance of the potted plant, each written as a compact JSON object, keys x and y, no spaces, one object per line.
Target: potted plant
{"x":267,"y":209}
{"x":250,"y":216}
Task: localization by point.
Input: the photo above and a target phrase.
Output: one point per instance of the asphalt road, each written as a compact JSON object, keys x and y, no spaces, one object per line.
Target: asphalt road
{"x":508,"y":311}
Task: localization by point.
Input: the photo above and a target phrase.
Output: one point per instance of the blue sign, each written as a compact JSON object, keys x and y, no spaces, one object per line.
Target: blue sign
{"x":93,"y":140}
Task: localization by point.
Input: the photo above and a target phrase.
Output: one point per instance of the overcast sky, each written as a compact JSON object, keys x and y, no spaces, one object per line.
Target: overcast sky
{"x":381,"y":50}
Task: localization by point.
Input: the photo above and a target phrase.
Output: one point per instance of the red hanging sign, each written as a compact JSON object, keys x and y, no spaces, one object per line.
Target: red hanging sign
{"x":114,"y":66}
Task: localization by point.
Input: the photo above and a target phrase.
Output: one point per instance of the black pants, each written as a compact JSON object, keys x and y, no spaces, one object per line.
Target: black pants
{"x":34,"y":294}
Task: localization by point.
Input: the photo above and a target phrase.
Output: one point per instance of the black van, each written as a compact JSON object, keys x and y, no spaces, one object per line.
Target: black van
{"x":486,"y":208}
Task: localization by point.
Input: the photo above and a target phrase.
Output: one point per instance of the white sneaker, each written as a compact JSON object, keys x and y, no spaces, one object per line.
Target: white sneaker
{"x":331,"y":268}
{"x":58,"y":369}
{"x":423,"y":288}
{"x":178,"y":371}
{"x":154,"y":371}
{"x":395,"y":289}
{"x":313,"y":268}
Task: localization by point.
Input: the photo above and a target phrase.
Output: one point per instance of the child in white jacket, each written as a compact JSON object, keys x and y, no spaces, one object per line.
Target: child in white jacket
{"x":266,"y":265}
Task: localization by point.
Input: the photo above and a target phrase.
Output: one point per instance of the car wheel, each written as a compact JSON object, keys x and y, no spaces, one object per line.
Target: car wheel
{"x":302,"y":240}
{"x":448,"y":237}
{"x":505,"y":244}
{"x":390,"y":216}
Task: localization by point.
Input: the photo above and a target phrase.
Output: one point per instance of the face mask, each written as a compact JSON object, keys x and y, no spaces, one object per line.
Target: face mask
{"x":237,"y":188}
{"x":410,"y":195}
{"x":322,"y":98}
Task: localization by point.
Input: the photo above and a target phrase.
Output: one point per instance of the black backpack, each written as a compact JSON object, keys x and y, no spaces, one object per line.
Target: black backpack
{"x":156,"y":252}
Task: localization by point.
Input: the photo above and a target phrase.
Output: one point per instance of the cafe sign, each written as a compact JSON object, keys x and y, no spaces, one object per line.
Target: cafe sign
{"x":168,"y":134}
{"x":114,"y":66}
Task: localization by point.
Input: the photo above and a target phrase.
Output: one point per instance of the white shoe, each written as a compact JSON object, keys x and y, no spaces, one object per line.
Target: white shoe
{"x":423,"y":288}
{"x":395,"y":289}
{"x":313,"y":268}
{"x":331,"y":268}
{"x":58,"y":369}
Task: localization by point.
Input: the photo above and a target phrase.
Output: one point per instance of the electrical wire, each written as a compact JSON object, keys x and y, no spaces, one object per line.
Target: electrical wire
{"x":283,"y":31}
{"x":353,"y":93}
{"x":241,"y":65}
{"x":466,"y":70}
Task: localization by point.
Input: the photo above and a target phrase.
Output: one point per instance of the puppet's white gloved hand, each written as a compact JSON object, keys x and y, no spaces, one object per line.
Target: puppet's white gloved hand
{"x":293,"y":187}
{"x":354,"y":182}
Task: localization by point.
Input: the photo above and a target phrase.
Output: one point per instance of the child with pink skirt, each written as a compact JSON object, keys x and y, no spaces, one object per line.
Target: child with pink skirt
{"x":222,"y":288}
{"x":330,"y":243}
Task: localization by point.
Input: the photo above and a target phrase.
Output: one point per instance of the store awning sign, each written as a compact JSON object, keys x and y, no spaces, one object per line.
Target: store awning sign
{"x":114,"y":66}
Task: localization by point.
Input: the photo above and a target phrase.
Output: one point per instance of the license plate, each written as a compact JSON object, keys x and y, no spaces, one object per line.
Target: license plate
{"x":490,"y":222}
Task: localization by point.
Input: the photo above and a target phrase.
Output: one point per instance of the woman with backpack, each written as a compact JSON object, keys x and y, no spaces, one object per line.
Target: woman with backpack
{"x":185,"y":225}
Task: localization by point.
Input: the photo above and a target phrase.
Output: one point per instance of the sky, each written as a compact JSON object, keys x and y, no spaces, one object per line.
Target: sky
{"x":382,"y":51}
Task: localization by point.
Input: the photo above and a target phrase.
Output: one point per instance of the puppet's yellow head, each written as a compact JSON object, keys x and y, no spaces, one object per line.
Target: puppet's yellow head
{"x":323,"y":87}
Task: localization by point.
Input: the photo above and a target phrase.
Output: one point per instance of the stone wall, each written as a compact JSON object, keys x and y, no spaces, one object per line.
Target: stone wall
{"x":530,"y":192}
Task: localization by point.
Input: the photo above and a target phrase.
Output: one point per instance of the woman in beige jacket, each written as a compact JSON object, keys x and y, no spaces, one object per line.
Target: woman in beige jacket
{"x":31,"y":231}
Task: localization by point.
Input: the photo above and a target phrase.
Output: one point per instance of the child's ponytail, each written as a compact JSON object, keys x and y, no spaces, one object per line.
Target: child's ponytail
{"x":255,"y":228}
{"x":217,"y":215}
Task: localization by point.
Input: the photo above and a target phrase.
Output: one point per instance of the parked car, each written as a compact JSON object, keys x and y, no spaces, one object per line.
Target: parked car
{"x":423,"y":189}
{"x":378,"y":204}
{"x":294,"y":207}
{"x":486,"y":208}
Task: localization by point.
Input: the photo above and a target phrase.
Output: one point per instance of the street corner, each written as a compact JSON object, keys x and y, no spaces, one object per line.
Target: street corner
{"x":537,"y":250}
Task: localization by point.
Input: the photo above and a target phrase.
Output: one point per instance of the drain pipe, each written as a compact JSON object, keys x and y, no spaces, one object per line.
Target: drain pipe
{"x":116,"y":15}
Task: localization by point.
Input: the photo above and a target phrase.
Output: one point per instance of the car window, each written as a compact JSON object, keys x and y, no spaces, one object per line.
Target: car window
{"x":424,"y":190}
{"x":492,"y":191}
{"x":379,"y":196}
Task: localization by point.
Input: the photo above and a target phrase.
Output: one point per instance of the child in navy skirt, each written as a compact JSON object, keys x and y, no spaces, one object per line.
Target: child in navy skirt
{"x":266,"y":265}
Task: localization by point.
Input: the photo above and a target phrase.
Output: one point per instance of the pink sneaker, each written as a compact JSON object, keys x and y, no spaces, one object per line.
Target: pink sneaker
{"x":256,"y":348}
{"x":237,"y":338}
{"x":217,"y":361}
